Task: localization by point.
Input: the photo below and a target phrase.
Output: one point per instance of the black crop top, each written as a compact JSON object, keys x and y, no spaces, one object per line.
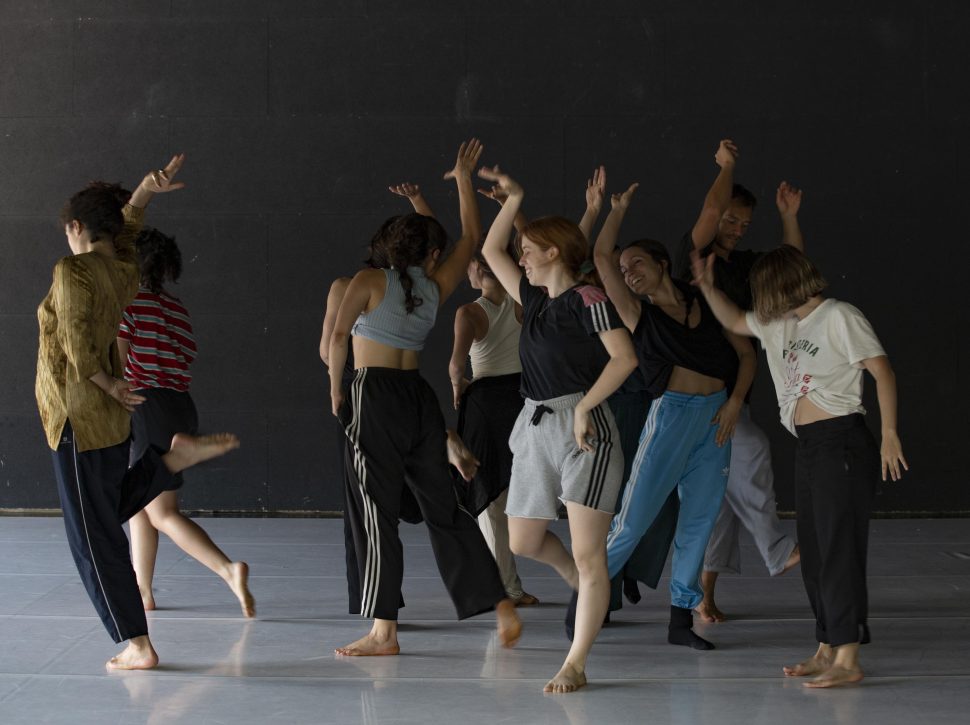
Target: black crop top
{"x":663,"y":342}
{"x":559,"y":347}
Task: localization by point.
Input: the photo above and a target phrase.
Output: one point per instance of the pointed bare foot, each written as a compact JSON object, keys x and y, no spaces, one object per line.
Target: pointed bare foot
{"x":817,"y":664}
{"x":461,"y":458}
{"x":509,"y":624}
{"x":370,"y":646}
{"x":134,"y":657}
{"x":793,"y":560}
{"x":709,"y":613}
{"x":239,"y":583}
{"x":568,"y":679}
{"x":835,"y":676}
{"x":525,"y":600}
{"x":187,"y":450}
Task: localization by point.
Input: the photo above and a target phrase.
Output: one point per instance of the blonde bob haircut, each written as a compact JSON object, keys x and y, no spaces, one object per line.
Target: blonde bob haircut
{"x":782,"y":280}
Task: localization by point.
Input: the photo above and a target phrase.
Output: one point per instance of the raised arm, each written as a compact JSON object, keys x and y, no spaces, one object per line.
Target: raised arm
{"x":731,"y":317}
{"x":727,"y":414}
{"x":499,"y":196}
{"x":471,"y":323}
{"x":450,"y":273}
{"x":627,"y":304}
{"x":891,"y":450}
{"x":355,"y":300}
{"x":413,"y":194}
{"x":718,"y":196}
{"x":595,"y":189}
{"x":622,"y":362}
{"x":336,"y":295}
{"x":789,"y":201}
{"x":496,"y":248}
{"x":158,"y":182}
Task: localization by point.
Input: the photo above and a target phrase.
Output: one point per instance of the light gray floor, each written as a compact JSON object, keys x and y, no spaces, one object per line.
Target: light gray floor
{"x":219,"y":668}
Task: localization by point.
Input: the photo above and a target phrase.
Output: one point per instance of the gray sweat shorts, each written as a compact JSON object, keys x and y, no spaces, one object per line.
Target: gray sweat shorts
{"x":548,"y":466}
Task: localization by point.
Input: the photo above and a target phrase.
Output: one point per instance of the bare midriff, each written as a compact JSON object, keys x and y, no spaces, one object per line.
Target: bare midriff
{"x":371,"y":354}
{"x":807,"y":412}
{"x":689,"y":382}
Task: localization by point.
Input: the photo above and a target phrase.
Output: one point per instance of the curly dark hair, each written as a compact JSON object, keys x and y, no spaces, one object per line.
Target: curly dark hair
{"x":408,"y":241}
{"x":159,"y":259}
{"x":97,"y":207}
{"x":377,"y":249}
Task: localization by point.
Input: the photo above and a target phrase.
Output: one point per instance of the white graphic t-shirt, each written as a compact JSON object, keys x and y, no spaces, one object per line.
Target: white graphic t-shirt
{"x":819,"y":357}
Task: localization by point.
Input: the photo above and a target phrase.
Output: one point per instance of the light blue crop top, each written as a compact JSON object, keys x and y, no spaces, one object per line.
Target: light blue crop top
{"x":389,"y":323}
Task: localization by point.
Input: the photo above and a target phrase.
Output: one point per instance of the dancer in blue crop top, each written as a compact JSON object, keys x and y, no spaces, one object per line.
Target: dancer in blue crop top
{"x":394,"y":428}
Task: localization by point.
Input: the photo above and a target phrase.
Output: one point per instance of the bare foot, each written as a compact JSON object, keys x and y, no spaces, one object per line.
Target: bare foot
{"x":525,"y":600}
{"x":239,"y":583}
{"x":187,"y":450}
{"x":509,"y":624}
{"x":835,"y":676}
{"x":568,"y":679}
{"x":461,"y":458}
{"x":793,"y":560}
{"x":370,"y":646}
{"x":709,"y":613}
{"x":817,"y":664}
{"x":134,"y":657}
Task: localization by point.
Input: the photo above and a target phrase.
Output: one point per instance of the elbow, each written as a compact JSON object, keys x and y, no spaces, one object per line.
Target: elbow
{"x":629,"y":362}
{"x":338,"y":339}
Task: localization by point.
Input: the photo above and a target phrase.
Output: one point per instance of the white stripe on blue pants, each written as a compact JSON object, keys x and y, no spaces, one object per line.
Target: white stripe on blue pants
{"x":677,"y":450}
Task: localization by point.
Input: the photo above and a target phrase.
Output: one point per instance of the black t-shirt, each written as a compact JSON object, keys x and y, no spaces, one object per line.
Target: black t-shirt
{"x":559,"y":346}
{"x":732,"y":275}
{"x":663,"y":342}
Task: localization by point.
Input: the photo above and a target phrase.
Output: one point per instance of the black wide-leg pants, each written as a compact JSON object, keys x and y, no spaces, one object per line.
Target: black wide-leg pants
{"x":98,"y":494}
{"x":836,"y":474}
{"x":396,"y":438}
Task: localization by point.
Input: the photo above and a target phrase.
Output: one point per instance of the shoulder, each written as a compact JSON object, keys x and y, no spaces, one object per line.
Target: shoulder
{"x":76,"y":266}
{"x":472,"y":311}
{"x":340,"y":285}
{"x":370,"y":277}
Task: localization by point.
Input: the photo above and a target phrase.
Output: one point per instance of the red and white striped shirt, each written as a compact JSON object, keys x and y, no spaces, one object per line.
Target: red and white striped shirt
{"x":160,"y":342}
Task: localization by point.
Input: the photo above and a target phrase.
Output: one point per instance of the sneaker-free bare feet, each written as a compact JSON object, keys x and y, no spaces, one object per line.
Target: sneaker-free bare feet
{"x":239,"y":583}
{"x":568,"y":679}
{"x":509,"y":624}
{"x":188,"y":450}
{"x":525,"y":600}
{"x":794,"y":559}
{"x":817,"y":664}
{"x":461,"y":458}
{"x":709,"y":613}
{"x":371,"y":645}
{"x":138,"y":655}
{"x":835,"y":676}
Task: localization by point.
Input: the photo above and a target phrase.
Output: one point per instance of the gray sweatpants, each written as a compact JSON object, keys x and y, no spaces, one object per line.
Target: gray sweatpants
{"x":750,"y":502}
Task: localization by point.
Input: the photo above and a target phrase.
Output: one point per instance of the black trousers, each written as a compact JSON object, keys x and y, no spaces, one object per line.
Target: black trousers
{"x":98,"y":494}
{"x":837,"y":467}
{"x":396,"y":438}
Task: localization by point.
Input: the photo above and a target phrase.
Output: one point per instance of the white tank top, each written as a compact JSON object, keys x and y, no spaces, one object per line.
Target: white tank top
{"x":498,"y":352}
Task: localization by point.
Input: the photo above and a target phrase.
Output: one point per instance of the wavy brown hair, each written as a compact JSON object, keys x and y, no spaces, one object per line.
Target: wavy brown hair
{"x":566,"y":236}
{"x":782,"y":280}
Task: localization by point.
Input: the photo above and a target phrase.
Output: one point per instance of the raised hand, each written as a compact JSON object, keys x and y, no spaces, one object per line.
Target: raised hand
{"x":411,"y":191}
{"x":502,"y":183}
{"x":788,"y":198}
{"x":496,"y":193}
{"x":622,"y":201}
{"x":468,"y":154}
{"x":160,"y":181}
{"x":727,"y":153}
{"x":596,"y":188}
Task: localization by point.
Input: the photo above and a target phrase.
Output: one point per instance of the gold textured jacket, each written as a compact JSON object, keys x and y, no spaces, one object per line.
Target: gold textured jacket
{"x":79,"y":321}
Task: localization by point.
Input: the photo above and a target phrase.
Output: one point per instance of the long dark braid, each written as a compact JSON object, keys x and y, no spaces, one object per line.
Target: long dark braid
{"x":408,"y":242}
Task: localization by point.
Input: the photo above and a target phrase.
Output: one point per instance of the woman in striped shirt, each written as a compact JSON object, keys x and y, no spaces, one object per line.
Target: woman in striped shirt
{"x":157,"y":345}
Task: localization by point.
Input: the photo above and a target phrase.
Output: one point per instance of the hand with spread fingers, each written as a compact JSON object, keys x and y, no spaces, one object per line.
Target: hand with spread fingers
{"x":406,"y":189}
{"x":501,"y":182}
{"x":161,"y":180}
{"x":468,"y":155}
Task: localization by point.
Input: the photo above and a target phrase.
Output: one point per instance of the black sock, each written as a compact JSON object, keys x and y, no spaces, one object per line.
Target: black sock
{"x":679,"y":631}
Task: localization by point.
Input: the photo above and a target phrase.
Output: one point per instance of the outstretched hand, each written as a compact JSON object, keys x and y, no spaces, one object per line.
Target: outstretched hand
{"x":496,"y":193}
{"x":502,"y":183}
{"x":468,"y":154}
{"x":788,"y":198}
{"x":621,"y":202}
{"x":727,"y":153}
{"x":703,"y":270}
{"x":160,"y":181}
{"x":596,"y":188}
{"x":411,"y":191}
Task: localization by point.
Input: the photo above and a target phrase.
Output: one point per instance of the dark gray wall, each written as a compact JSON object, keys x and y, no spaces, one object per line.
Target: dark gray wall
{"x":296,"y":115}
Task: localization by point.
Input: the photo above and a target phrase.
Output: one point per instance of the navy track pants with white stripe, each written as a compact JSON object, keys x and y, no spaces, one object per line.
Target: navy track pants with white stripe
{"x":98,"y":494}
{"x":395,"y":438}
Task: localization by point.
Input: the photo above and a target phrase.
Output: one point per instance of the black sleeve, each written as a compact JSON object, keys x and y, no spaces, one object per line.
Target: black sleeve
{"x":681,"y":257}
{"x":596,"y":311}
{"x":530,"y":297}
